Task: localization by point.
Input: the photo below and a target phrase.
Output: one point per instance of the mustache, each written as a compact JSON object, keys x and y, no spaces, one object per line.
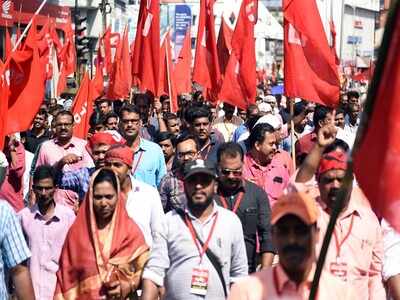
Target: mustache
{"x":293,"y":248}
{"x":233,"y":181}
{"x":200,"y":193}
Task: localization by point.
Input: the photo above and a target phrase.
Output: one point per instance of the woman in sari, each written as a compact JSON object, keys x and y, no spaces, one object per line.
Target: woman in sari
{"x":105,"y":251}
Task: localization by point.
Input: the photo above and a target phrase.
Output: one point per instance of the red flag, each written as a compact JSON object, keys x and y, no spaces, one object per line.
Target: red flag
{"x":17,"y":37}
{"x":67,"y":58}
{"x":98,"y":80}
{"x":239,"y":85}
{"x":146,"y":56}
{"x":46,"y":47}
{"x":261,"y":75}
{"x":4,"y":92}
{"x":243,"y":45}
{"x":206,"y":70}
{"x":224,"y":45}
{"x":166,"y":80}
{"x":27,"y":86}
{"x":121,"y":77}
{"x":333,"y":35}
{"x":232,"y":90}
{"x":309,"y":65}
{"x":376,"y":163}
{"x":107,"y":45}
{"x":83,"y":107}
{"x":8,"y":45}
{"x":183,"y":64}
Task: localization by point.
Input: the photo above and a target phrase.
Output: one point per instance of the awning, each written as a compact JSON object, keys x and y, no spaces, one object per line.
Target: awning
{"x":21,"y":11}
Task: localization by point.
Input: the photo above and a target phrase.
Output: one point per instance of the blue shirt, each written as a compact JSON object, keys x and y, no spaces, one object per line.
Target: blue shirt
{"x":238,"y":132}
{"x":149,"y":163}
{"x":77,"y":181}
{"x":13,"y":247}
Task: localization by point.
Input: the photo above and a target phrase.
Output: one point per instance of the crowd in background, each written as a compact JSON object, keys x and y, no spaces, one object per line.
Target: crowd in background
{"x":186,"y":205}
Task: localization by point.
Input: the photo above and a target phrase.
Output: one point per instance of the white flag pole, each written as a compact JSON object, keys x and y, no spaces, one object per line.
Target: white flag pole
{"x":29,"y":25}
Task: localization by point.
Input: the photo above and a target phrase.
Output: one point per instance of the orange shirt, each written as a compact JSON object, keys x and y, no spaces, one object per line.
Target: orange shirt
{"x":273,"y":283}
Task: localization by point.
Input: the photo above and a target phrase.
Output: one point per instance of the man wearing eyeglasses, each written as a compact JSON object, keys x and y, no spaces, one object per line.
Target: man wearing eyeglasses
{"x":248,"y":201}
{"x":171,"y":187}
{"x":64,"y":146}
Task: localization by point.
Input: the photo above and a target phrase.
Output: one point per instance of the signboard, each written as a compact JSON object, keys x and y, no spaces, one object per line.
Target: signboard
{"x":358,"y":24}
{"x":21,"y":11}
{"x":273,"y":3}
{"x":6,"y":13}
{"x":354,"y":40}
{"x":183,"y":20}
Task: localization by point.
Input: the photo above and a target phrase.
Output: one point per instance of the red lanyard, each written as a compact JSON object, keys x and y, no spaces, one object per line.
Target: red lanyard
{"x":340,"y":244}
{"x":137,"y":163}
{"x":208,"y":146}
{"x":237,"y":202}
{"x":193,"y":234}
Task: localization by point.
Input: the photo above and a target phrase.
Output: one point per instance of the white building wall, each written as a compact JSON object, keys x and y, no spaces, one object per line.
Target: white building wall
{"x":359,"y":33}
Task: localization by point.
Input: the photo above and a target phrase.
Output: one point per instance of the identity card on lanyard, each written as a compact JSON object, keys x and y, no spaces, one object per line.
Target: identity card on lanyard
{"x":339,"y":268}
{"x":200,"y":274}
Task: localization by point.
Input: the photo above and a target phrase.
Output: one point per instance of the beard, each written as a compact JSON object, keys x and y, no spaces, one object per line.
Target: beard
{"x":199,"y":206}
{"x":230,"y":184}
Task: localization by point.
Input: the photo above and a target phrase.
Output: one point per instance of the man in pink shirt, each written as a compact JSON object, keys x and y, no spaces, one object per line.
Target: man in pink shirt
{"x":260,"y":167}
{"x":67,"y":150}
{"x":45,"y":226}
{"x":12,"y":188}
{"x":294,"y":234}
{"x":355,"y":253}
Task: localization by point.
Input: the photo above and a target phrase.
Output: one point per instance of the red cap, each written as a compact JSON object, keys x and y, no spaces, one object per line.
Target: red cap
{"x":110,"y":137}
{"x":122,"y":153}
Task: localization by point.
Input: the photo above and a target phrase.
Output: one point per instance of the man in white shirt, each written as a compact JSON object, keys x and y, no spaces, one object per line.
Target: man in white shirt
{"x":143,"y":201}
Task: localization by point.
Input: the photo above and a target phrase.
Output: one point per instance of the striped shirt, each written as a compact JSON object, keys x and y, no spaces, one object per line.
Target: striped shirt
{"x":13,"y":247}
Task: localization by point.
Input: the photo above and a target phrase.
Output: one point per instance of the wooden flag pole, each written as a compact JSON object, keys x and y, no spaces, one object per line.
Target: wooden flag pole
{"x":168,"y":74}
{"x":293,"y":150}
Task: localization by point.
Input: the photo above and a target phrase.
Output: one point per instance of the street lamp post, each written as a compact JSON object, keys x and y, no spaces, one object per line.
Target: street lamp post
{"x":105,"y":9}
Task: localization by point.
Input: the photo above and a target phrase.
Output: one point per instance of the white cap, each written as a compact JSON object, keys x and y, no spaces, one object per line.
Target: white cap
{"x":67,"y":104}
{"x":272,"y":120}
{"x":3,"y":160}
{"x":265,"y":107}
{"x":270,"y":98}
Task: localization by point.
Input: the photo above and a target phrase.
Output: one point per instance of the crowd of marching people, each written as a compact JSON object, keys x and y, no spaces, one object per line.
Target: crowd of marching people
{"x":210,"y":202}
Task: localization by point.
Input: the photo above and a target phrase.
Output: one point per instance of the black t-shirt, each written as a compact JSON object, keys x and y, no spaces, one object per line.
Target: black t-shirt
{"x":254,"y":213}
{"x":32,"y":142}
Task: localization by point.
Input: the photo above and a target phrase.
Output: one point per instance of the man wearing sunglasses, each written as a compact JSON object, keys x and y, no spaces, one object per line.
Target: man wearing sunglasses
{"x":248,"y":201}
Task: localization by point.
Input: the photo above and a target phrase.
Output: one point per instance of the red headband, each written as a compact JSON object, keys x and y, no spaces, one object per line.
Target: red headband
{"x":122,"y":153}
{"x":335,"y":160}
